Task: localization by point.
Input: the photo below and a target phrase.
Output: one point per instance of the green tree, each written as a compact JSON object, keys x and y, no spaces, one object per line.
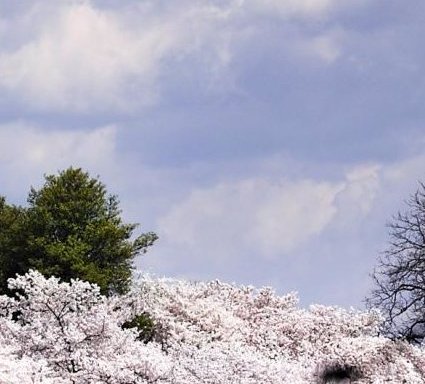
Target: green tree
{"x":71,"y":229}
{"x":12,"y":220}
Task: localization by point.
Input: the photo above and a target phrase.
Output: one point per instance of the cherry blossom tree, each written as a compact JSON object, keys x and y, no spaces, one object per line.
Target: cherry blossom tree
{"x":203,"y":333}
{"x":75,"y":332}
{"x":257,"y":336}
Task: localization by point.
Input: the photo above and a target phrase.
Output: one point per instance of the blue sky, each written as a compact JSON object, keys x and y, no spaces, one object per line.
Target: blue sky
{"x":267,"y":142}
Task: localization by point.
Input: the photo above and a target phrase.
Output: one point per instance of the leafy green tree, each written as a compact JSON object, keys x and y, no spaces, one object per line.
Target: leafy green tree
{"x":12,"y":220}
{"x":71,"y":229}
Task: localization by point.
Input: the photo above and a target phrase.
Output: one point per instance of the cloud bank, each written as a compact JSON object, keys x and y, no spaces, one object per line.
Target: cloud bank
{"x":77,"y":56}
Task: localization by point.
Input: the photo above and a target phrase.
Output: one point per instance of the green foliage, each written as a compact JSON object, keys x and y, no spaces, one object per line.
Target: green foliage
{"x":71,"y":229}
{"x":144,"y":324}
{"x":12,"y":220}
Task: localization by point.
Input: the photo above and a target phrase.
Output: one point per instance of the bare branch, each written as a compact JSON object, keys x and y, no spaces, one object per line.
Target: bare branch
{"x":400,"y":275}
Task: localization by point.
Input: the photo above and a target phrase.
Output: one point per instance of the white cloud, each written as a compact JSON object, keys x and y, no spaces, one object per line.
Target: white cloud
{"x":357,"y":195}
{"x":75,"y":56}
{"x":26,"y":153}
{"x":271,"y":217}
{"x":83,"y":57}
{"x":214,"y":230}
{"x":291,"y":213}
{"x":25,"y":146}
{"x":86,"y":59}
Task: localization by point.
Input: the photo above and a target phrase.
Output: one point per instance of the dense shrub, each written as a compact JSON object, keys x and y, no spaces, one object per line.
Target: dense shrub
{"x":145,"y":327}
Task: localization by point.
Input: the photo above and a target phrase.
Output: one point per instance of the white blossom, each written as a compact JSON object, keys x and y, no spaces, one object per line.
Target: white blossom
{"x":204,"y":332}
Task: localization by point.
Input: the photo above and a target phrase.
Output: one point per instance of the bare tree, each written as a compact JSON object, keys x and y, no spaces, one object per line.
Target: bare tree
{"x":400,"y":274}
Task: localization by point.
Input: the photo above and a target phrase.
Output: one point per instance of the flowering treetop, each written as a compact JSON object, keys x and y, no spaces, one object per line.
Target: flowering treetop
{"x":206,"y":332}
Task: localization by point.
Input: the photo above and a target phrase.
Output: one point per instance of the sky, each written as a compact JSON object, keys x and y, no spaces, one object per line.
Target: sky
{"x":266,"y":142}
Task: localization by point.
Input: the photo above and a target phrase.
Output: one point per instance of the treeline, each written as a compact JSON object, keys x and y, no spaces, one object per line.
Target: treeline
{"x":71,"y":228}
